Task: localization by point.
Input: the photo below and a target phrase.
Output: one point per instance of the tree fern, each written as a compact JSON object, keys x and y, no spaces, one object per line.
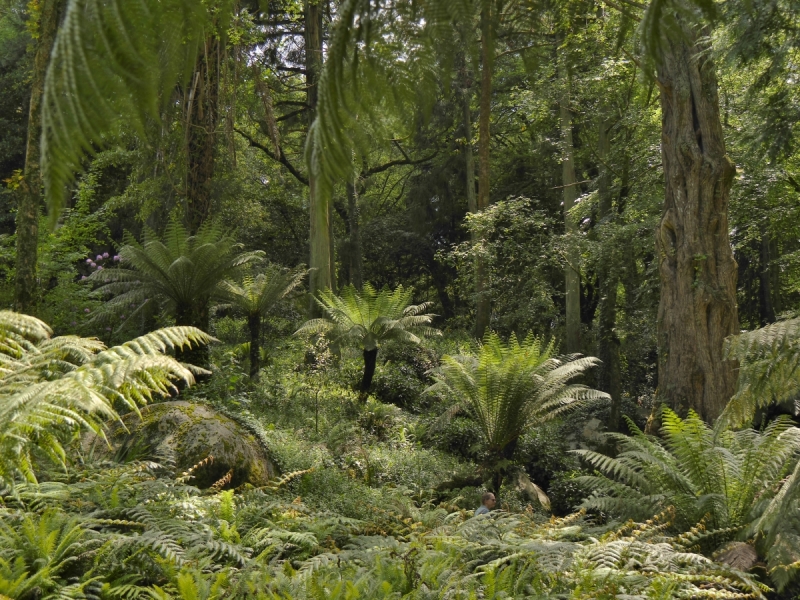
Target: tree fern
{"x":256,"y":297}
{"x":50,"y":386}
{"x":368,"y":318}
{"x":510,"y":387}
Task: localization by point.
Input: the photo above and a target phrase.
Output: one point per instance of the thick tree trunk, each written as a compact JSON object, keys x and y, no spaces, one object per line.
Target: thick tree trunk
{"x":766,"y":306}
{"x":29,"y":193}
{"x":609,"y":379}
{"x":193,"y":316}
{"x":572,"y":289}
{"x":321,"y":240}
{"x":203,"y":106}
{"x":370,"y":360}
{"x":254,"y":325}
{"x":356,"y":259}
{"x":698,"y":273}
{"x":483,"y":304}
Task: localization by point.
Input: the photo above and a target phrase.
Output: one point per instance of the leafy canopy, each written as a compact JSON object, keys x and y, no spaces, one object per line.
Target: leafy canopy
{"x":509,"y":387}
{"x":256,"y":295}
{"x":52,"y":386}
{"x":369,"y":318}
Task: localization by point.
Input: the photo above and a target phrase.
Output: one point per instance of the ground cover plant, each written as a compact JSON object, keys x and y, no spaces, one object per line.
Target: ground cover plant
{"x":425,"y":299}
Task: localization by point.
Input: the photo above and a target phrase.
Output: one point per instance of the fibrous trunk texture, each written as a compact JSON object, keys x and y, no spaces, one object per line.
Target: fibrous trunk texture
{"x":254,"y":325}
{"x":608,"y":377}
{"x":572,"y":286}
{"x":29,"y":192}
{"x":320,"y":239}
{"x":370,"y":360}
{"x":483,"y":304}
{"x":203,"y":106}
{"x":697,"y":310}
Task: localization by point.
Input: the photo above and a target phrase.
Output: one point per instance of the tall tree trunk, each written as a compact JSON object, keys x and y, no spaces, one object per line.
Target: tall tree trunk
{"x":203,"y":119}
{"x":766,"y":306}
{"x":608,"y":344}
{"x":321,"y":240}
{"x":697,"y":310}
{"x":29,"y":193}
{"x":469,"y":158}
{"x":254,"y":325}
{"x":572,"y":289}
{"x":356,"y":259}
{"x":483,"y":304}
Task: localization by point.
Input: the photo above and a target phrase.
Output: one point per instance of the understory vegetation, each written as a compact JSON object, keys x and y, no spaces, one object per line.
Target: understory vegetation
{"x":399,"y":299}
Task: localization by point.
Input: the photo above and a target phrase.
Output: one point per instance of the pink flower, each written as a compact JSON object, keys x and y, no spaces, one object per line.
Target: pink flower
{"x":99,"y":268}
{"x":105,"y":254}
{"x":86,"y":310}
{"x":88,"y":261}
{"x":83,"y":277}
{"x":99,"y":257}
{"x":116,"y":258}
{"x":93,"y":264}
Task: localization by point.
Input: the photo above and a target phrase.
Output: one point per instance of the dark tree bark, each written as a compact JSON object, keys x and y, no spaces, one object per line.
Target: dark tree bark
{"x":196,"y":315}
{"x":572,"y":282}
{"x":766,"y":306}
{"x":203,"y":106}
{"x":698,"y":273}
{"x":355,"y":252}
{"x":370,"y":360}
{"x":254,"y":325}
{"x":483,"y":304}
{"x":608,"y":377}
{"x":29,"y":193}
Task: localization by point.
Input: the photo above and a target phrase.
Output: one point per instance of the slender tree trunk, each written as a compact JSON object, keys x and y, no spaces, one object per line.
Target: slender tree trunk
{"x":766,"y":306}
{"x":321,"y":240}
{"x":697,"y":310}
{"x":483,"y":303}
{"x":356,"y":260}
{"x":203,"y":119}
{"x":609,"y":379}
{"x":29,"y":193}
{"x":370,"y":360}
{"x":572,"y":284}
{"x":254,"y":325}
{"x":469,"y":158}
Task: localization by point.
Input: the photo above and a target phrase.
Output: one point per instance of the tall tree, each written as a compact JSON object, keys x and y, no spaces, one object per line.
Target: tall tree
{"x":572,"y":284}
{"x":698,"y":273}
{"x":483,"y":304}
{"x":203,"y":117}
{"x":321,"y":260}
{"x":30,"y":185}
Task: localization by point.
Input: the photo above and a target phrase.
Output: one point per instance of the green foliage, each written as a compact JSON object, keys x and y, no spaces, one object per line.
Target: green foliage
{"x":180,"y":273}
{"x":51,"y":387}
{"x":769,"y":370}
{"x":733,"y":482}
{"x":509,"y":387}
{"x":256,"y":296}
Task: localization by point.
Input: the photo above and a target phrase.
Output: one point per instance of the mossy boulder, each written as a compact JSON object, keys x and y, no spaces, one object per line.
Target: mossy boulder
{"x":187,"y":434}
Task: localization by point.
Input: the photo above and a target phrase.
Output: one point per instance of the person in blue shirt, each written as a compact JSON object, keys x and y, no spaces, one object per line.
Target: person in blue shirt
{"x":487,"y":503}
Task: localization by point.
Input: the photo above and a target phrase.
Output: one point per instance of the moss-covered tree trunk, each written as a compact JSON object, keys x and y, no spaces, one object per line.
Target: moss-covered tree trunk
{"x":29,"y":192}
{"x":697,"y":310}
{"x":203,"y":106}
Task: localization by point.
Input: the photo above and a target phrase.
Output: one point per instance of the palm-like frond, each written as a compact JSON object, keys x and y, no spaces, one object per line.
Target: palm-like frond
{"x":49,"y":386}
{"x":180,"y":271}
{"x":257,"y":295}
{"x":769,"y":369}
{"x":727,"y":478}
{"x":369,"y":318}
{"x":509,"y":387}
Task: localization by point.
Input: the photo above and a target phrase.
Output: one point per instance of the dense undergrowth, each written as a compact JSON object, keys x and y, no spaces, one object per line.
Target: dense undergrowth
{"x":375,"y":501}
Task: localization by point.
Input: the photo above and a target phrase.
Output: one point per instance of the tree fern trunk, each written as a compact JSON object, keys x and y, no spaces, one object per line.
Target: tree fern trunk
{"x":572,"y":289}
{"x":370,"y":360}
{"x":483,"y":304}
{"x":607,"y":340}
{"x":320,"y":239}
{"x":698,"y":273}
{"x":194,"y":316}
{"x":203,"y":119}
{"x":254,"y":325}
{"x":29,"y":192}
